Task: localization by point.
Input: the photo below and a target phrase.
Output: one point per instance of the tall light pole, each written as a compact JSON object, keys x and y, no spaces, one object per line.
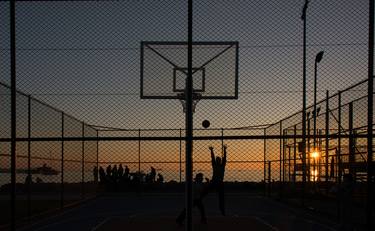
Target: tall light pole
{"x":303,"y":17}
{"x":370,"y":101}
{"x":318,"y":58}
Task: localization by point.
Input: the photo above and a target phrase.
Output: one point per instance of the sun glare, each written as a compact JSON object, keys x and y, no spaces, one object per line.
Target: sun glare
{"x":315,"y":154}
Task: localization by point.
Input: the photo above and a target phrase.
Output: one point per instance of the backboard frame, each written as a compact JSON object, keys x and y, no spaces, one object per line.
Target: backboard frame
{"x":229,"y":44}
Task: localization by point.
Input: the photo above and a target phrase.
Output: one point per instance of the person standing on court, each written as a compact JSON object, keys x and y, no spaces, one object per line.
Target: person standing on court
{"x":198,"y":194}
{"x":218,"y":170}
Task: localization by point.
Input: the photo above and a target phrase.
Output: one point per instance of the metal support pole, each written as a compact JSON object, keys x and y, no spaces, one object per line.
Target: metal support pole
{"x":281,"y":161}
{"x":139,"y":152}
{"x":294,"y":154}
{"x":289,"y":165}
{"x":308,"y":151}
{"x":180,"y":152}
{"x":29,"y":157}
{"x":62,"y":162}
{"x":318,"y":159}
{"x":269,"y":178}
{"x":339,"y":173}
{"x":189,"y":124}
{"x":13,"y":121}
{"x":97,"y":157}
{"x":351,"y":142}
{"x":327,"y":138}
{"x":315,"y":112}
{"x":222,"y":140}
{"x":83,"y":163}
{"x":339,"y":142}
{"x":264,"y":161}
{"x":303,"y":17}
{"x":370,"y":165}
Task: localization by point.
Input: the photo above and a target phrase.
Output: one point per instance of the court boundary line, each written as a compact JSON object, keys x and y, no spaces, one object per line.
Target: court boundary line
{"x":105,"y":220}
{"x":266,"y":223}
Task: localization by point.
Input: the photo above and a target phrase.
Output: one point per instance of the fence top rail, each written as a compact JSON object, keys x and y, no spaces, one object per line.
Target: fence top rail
{"x":323,"y":100}
{"x":330,"y":110}
{"x":115,"y":129}
{"x":174,"y":138}
{"x":47,"y":105}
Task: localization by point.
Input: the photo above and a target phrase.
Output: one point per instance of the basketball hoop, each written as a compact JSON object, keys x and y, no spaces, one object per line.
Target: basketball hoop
{"x":196,"y":99}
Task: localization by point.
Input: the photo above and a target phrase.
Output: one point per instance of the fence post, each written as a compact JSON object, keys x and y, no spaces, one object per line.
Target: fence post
{"x":97,"y":156}
{"x":180,"y":153}
{"x":222,"y":140}
{"x":281,"y":161}
{"x":351,"y":142}
{"x":29,"y":157}
{"x":264,"y":160}
{"x":338,"y":155}
{"x":294,"y":154}
{"x":320,"y":142}
{"x":327,"y":137}
{"x":370,"y":90}
{"x":308,"y":149}
{"x":289,"y":165}
{"x":339,"y":141}
{"x":139,"y":152}
{"x":83,"y":162}
{"x":269,"y":178}
{"x":13,"y":120}
{"x":62,"y":162}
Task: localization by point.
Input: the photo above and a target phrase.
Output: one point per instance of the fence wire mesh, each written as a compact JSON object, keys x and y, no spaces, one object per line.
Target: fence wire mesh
{"x":79,"y":109}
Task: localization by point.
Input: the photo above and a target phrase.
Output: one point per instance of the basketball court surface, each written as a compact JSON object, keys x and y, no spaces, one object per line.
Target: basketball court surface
{"x":159,"y":211}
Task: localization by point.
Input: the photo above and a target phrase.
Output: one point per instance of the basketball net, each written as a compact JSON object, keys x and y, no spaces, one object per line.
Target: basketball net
{"x":196,"y":98}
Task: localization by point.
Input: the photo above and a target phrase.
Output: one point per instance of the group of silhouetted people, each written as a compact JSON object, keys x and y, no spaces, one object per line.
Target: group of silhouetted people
{"x":200,"y":190}
{"x":117,"y":177}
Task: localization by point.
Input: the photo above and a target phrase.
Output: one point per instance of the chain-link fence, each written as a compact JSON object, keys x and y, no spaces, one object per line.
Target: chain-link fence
{"x":50,"y":175}
{"x":84,"y":68}
{"x":337,"y":148}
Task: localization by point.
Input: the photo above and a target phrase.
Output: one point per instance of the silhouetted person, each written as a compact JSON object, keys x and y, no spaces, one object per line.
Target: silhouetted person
{"x":114,"y":173}
{"x":152,"y":175}
{"x":120,"y":172}
{"x":160,"y":178}
{"x":198,"y":194}
{"x":102,"y":176}
{"x":218,"y":170}
{"x":95,"y":173}
{"x":109,"y":171}
{"x":126,"y":173}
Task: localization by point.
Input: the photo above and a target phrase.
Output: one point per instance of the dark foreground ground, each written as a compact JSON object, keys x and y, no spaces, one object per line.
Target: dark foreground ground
{"x":157,"y":211}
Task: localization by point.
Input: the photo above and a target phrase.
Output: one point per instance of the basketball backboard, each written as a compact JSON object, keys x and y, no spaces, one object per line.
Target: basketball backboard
{"x":164,"y":69}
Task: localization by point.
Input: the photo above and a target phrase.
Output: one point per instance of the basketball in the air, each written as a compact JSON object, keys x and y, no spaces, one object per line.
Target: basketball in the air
{"x":206,"y":123}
